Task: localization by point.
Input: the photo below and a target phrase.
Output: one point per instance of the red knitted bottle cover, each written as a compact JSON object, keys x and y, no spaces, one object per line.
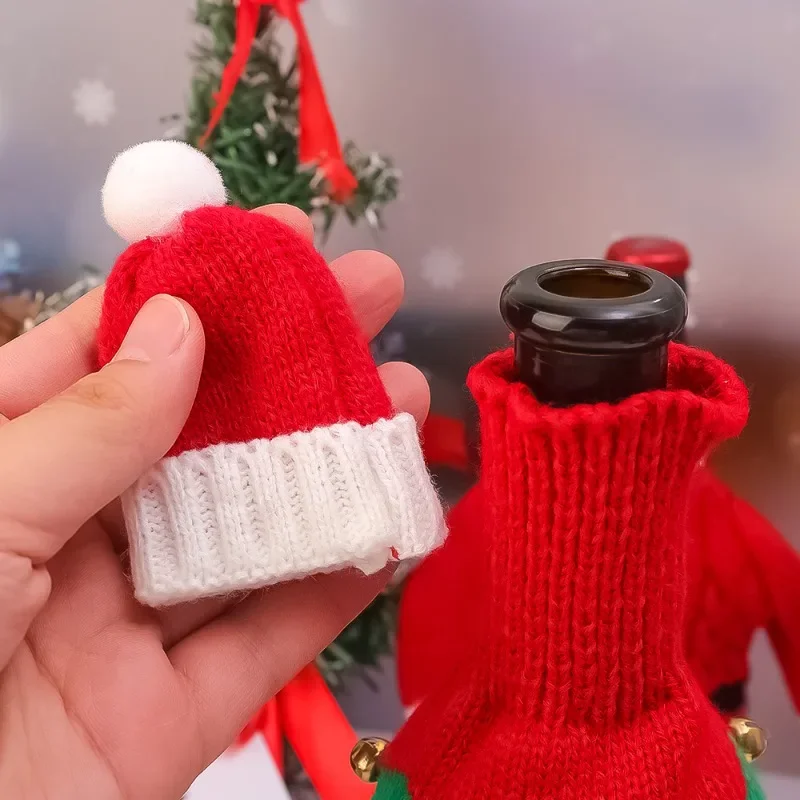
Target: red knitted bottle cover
{"x":577,"y":688}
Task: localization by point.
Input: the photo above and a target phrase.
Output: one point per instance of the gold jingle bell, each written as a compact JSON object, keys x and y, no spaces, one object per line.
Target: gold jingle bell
{"x":364,"y":758}
{"x":749,"y":737}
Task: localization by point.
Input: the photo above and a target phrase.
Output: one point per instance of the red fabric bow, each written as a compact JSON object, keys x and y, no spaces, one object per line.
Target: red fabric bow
{"x":308,"y":716}
{"x":318,"y":140}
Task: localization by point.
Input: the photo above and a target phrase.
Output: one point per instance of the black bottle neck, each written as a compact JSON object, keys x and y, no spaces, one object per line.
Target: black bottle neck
{"x":592,"y":331}
{"x":566,"y":379}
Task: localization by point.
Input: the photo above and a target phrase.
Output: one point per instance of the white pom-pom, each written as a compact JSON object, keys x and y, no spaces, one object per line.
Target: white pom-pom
{"x":150,"y":186}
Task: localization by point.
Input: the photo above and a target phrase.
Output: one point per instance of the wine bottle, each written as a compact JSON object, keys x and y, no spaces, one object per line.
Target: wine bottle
{"x":597,"y":306}
{"x":732,"y":545}
{"x":573,"y":684}
{"x":656,"y":252}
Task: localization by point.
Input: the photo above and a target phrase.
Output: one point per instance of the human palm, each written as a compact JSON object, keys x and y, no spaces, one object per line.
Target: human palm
{"x":100,"y":697}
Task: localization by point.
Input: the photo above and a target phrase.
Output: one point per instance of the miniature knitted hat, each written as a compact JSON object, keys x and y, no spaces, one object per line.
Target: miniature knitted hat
{"x":574,"y":685}
{"x":293,"y":460}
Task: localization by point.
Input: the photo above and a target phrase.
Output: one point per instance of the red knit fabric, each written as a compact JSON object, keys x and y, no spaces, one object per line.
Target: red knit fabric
{"x":743,"y":576}
{"x":440,"y":604}
{"x":576,"y":687}
{"x":284,"y":356}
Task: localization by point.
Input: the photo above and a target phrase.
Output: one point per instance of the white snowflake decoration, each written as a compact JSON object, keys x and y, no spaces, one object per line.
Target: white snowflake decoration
{"x":174,"y":131}
{"x":442,"y":268}
{"x":94,"y":102}
{"x":338,"y":12}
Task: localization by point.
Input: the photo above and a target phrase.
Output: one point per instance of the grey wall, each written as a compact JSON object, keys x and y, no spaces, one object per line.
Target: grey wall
{"x":526,"y":131}
{"x":51,"y":162}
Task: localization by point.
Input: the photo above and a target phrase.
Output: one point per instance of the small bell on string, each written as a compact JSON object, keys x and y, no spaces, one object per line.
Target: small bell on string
{"x":749,"y":737}
{"x":364,"y":758}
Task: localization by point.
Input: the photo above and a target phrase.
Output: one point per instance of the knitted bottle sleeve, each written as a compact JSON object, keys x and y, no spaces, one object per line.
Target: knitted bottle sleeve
{"x":578,"y":688}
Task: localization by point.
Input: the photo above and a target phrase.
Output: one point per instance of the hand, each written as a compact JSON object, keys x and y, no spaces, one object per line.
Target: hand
{"x":101,"y":698}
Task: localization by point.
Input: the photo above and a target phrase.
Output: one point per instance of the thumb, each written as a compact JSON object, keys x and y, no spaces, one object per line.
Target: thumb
{"x":65,"y":460}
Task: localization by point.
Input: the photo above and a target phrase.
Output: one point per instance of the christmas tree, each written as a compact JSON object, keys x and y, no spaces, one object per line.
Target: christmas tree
{"x":258,"y":140}
{"x":274,"y":111}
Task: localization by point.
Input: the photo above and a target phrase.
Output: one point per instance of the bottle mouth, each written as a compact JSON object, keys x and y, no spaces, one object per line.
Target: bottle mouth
{"x":592,"y":306}
{"x":595,"y":283}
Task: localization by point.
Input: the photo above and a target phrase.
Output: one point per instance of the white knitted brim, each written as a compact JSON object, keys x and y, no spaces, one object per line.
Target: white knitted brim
{"x":240,"y":516}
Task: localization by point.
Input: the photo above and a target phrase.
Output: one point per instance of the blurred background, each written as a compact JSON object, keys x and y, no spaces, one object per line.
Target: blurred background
{"x":525,"y":132}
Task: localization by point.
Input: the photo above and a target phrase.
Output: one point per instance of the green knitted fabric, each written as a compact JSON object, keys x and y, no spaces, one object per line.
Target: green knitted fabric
{"x":754,"y":790}
{"x":393,"y":786}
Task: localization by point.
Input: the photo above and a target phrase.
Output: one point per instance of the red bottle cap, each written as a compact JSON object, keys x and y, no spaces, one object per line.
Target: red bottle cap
{"x":666,"y":255}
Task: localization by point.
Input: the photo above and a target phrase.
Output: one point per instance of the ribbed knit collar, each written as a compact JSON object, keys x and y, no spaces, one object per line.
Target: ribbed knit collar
{"x":576,"y":688}
{"x":585,"y":536}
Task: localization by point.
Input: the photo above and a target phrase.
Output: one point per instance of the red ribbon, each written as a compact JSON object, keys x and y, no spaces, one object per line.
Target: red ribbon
{"x":318,"y":141}
{"x":306,"y":713}
{"x":267,"y":723}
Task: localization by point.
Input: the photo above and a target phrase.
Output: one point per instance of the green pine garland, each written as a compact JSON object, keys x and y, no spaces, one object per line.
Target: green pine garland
{"x":361,"y":645}
{"x":255,"y":144}
{"x":255,"y":149}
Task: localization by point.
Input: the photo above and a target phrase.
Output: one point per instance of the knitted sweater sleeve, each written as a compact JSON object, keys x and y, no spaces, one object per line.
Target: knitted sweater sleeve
{"x":777,"y":568}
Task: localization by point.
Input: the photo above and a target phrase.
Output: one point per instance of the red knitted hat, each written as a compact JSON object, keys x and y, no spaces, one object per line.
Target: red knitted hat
{"x":575,"y":686}
{"x":293,"y":460}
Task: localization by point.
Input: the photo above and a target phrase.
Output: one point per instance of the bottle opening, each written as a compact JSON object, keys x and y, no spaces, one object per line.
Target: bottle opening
{"x":597,"y":283}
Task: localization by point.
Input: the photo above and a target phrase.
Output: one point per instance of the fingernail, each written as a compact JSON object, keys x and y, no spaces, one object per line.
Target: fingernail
{"x":158,"y":330}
